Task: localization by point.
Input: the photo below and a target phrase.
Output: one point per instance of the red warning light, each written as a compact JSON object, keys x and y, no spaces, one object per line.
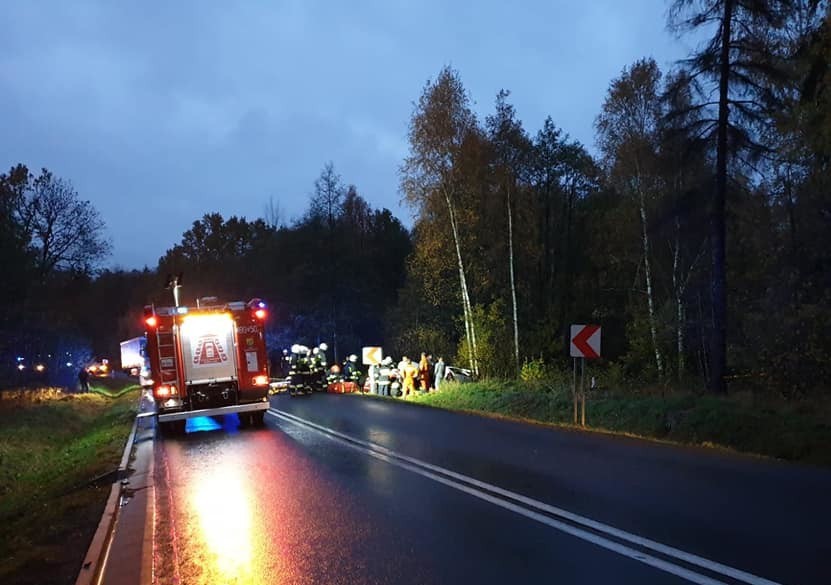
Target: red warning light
{"x":259,"y":314}
{"x":151,"y":321}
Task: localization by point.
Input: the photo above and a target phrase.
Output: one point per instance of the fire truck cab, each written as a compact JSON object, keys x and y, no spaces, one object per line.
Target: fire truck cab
{"x":208,"y":360}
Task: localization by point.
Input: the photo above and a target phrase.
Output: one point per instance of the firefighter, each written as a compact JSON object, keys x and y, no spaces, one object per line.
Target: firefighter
{"x":314,"y":366}
{"x":323,"y":347}
{"x":323,"y":365}
{"x":351,"y":371}
{"x":285,"y":364}
{"x":300,"y":369}
{"x":372,"y":375}
{"x":318,"y":370}
{"x":384,"y":376}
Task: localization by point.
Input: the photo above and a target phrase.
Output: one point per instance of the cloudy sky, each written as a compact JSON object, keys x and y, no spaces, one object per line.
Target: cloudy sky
{"x":161,"y":111}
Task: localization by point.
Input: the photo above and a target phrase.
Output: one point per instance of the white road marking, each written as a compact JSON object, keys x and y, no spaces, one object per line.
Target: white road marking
{"x":475,"y":488}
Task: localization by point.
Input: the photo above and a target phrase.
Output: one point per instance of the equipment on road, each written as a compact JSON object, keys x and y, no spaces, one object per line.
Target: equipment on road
{"x":208,"y":360}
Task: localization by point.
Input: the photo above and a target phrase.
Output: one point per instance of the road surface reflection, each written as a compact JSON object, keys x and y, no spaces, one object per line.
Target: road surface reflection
{"x":220,"y":503}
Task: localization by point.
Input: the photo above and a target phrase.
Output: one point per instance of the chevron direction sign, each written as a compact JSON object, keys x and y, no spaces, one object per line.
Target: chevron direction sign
{"x":585,"y":341}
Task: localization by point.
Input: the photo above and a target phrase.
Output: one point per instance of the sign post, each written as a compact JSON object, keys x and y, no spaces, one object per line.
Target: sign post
{"x":585,"y":344}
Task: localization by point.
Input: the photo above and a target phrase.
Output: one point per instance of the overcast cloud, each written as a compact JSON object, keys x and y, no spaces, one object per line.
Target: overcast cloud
{"x":161,"y":111}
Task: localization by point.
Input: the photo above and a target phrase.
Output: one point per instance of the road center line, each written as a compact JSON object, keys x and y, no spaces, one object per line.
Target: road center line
{"x":476,"y":488}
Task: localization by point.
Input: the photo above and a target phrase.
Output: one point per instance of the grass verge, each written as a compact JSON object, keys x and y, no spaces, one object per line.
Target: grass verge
{"x":53,"y":448}
{"x":791,"y":431}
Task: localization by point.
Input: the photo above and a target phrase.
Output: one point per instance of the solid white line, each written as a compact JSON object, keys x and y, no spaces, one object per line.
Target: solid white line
{"x":419,"y":466}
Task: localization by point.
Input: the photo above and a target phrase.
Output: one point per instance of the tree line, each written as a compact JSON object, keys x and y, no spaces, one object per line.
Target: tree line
{"x":329,"y":275}
{"x":697,"y":236}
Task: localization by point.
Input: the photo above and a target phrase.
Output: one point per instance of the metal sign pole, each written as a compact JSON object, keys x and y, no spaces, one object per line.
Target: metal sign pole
{"x":574,"y":386}
{"x":583,"y":393}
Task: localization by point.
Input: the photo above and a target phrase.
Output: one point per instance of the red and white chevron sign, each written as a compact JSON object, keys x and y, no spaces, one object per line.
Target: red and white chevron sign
{"x":585,"y":341}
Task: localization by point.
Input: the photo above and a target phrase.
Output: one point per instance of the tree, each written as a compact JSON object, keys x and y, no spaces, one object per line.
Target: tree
{"x":511,"y":148}
{"x":15,"y":253}
{"x":737,"y":58}
{"x":273,"y":214}
{"x":440,"y":125}
{"x":210,"y":251}
{"x":628,"y":136}
{"x":328,"y":196}
{"x":326,"y":207}
{"x":684,"y":165}
{"x":65,"y":232}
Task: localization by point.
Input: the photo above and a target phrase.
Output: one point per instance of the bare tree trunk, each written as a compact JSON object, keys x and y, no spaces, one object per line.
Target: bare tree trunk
{"x":470,"y":329}
{"x":705,"y":359}
{"x":679,"y":304}
{"x":659,"y":362}
{"x":513,"y":281}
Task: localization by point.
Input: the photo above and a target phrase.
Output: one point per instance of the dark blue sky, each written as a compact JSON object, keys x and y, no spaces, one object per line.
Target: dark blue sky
{"x":160,"y":111}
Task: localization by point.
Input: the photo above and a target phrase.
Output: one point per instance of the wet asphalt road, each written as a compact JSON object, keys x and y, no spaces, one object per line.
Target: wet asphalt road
{"x":289,"y":504}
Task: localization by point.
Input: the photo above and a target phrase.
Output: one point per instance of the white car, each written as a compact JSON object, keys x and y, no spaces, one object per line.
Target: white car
{"x":457,"y":374}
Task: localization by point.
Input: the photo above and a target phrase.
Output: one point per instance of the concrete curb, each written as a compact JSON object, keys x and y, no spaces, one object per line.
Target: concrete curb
{"x":92,"y":569}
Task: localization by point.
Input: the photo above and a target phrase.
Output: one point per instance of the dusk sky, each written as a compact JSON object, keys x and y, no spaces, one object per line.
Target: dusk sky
{"x":159,"y":111}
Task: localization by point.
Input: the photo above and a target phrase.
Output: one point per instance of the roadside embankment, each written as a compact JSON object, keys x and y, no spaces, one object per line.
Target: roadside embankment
{"x":796,"y":431}
{"x":58,"y":454}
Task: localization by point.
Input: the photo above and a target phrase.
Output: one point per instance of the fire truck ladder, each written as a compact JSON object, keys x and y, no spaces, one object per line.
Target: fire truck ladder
{"x":166,"y":344}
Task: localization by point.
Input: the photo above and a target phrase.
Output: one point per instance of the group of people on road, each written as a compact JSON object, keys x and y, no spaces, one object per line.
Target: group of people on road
{"x":408,"y":377}
{"x":307,"y":370}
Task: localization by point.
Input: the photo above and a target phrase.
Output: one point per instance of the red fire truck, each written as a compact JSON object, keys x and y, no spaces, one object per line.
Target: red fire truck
{"x":208,"y":360}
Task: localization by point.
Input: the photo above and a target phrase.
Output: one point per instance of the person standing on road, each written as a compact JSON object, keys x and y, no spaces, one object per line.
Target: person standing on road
{"x":431,"y":366}
{"x":373,"y":378}
{"x":423,"y":372}
{"x":410,"y":372}
{"x":323,"y":365}
{"x":438,"y":372}
{"x":83,"y":378}
{"x":285,"y":364}
{"x":384,"y":373}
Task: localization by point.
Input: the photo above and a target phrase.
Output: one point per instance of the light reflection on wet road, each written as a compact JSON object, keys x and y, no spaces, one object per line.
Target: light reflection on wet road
{"x":287,"y":505}
{"x":250,"y":507}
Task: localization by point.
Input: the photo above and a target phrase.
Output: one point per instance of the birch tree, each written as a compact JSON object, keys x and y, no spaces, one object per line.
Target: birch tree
{"x":511,"y":146}
{"x":628,"y":136}
{"x":441,"y":122}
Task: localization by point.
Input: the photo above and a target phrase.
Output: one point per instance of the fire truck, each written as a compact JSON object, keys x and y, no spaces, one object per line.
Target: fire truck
{"x":208,"y":360}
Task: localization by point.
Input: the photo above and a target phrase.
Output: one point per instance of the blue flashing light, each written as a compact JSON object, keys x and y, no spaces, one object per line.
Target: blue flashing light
{"x":182,"y":310}
{"x":19,"y":359}
{"x":261,"y":305}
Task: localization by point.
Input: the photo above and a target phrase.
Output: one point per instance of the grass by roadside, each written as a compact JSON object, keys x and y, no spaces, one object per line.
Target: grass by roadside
{"x":52,"y":448}
{"x":791,"y":431}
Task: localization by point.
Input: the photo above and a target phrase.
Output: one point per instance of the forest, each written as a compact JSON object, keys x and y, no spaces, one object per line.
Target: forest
{"x":697,"y":233}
